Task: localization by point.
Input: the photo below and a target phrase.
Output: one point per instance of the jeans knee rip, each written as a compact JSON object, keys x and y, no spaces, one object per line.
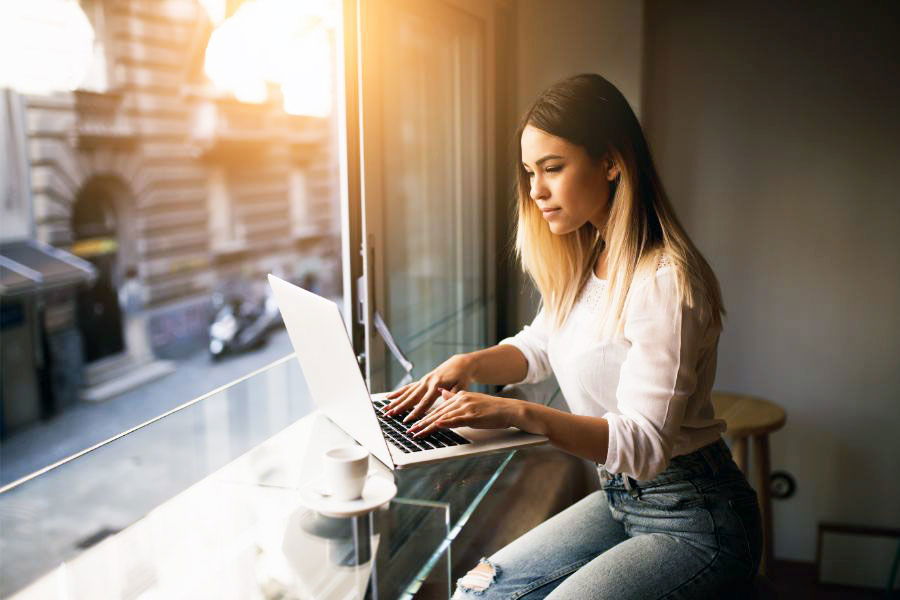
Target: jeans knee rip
{"x":480,"y":578}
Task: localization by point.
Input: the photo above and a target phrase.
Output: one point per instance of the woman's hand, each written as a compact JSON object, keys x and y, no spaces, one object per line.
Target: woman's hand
{"x":469,"y":409}
{"x":454,"y":374}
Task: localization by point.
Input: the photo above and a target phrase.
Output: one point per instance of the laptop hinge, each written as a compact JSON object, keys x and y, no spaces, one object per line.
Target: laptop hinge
{"x":361,"y":317}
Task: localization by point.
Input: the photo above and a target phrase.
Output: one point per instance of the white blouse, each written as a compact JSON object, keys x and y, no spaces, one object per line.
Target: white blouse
{"x":652,"y":385}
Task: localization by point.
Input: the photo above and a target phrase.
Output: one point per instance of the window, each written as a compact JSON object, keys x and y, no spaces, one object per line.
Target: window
{"x":97,"y":78}
{"x":224,"y":233}
{"x":427,"y":189}
{"x":301,"y":213}
{"x":184,"y":164}
{"x":170,"y":165}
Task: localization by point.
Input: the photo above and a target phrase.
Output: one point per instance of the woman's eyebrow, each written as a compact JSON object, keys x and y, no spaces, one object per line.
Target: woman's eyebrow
{"x":543,"y":159}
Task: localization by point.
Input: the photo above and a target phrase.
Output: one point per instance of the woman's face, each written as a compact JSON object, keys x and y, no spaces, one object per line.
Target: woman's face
{"x":568,"y":186}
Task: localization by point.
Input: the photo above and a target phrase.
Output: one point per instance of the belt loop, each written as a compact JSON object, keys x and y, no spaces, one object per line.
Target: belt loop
{"x":631,"y":486}
{"x":707,"y":453}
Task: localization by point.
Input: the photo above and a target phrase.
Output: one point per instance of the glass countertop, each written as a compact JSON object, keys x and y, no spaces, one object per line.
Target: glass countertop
{"x":204,"y":502}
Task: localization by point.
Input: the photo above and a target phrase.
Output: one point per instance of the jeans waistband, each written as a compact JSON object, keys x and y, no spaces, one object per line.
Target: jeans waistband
{"x":714,"y":457}
{"x":705,"y":461}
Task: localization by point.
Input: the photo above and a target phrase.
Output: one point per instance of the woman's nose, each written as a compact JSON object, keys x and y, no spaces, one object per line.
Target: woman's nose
{"x":538,"y":189}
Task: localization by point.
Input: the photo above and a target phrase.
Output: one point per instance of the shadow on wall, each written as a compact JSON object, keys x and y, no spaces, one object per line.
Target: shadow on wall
{"x":834,"y":478}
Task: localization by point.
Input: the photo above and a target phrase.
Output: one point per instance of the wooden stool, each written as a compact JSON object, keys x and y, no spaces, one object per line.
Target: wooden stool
{"x":750,"y":417}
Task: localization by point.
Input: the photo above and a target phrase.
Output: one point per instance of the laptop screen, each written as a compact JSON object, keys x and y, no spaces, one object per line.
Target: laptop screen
{"x":329,"y":364}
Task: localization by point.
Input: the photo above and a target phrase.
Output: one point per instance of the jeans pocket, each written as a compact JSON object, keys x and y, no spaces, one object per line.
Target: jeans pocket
{"x":746,"y":509}
{"x":674,"y":496}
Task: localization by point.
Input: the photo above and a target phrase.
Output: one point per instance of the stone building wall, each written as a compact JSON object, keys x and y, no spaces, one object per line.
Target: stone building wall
{"x":158,"y":139}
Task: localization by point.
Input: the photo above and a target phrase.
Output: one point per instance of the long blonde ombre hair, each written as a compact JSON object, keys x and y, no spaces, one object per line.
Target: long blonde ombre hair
{"x":587,"y":110}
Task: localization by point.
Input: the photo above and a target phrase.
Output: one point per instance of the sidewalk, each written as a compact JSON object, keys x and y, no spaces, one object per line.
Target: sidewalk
{"x":86,"y":424}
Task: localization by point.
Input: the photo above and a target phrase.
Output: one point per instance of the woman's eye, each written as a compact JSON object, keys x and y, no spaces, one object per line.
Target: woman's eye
{"x":553,"y":169}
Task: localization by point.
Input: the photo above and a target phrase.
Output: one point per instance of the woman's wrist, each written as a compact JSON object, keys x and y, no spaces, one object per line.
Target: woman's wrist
{"x":527,"y":416}
{"x":582,"y":436}
{"x":470,"y":365}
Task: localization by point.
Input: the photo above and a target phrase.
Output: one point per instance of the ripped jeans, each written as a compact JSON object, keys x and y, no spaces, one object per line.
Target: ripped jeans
{"x":691,"y":532}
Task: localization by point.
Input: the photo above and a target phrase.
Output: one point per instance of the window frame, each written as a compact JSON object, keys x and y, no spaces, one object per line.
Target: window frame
{"x":361,"y":172}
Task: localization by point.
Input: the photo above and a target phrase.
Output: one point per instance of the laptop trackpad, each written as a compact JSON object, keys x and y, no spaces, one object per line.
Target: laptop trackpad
{"x":490,"y":435}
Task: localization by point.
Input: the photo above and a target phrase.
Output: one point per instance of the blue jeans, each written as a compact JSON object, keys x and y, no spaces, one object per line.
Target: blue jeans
{"x":691,"y":532}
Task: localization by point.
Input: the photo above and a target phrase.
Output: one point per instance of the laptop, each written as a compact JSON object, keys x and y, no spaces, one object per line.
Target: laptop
{"x":322,"y":346}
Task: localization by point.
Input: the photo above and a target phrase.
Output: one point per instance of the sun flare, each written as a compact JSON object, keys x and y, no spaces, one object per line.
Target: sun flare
{"x":284,"y":42}
{"x":46,"y":45}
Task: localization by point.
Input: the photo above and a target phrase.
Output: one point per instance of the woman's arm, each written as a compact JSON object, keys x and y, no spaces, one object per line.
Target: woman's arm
{"x":657,"y":378}
{"x":498,"y":365}
{"x":533,"y":341}
{"x":586,"y":437}
{"x":518,"y":359}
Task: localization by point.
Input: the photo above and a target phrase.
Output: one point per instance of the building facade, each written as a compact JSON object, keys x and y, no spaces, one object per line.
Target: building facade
{"x":149,"y":171}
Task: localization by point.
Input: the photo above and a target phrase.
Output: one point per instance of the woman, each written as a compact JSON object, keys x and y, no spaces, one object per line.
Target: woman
{"x":629,"y":325}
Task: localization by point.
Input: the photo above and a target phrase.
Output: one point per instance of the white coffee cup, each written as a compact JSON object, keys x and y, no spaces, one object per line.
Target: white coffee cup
{"x":344,"y":470}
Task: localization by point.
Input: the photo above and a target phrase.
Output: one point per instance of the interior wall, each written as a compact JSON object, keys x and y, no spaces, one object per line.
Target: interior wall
{"x":579,"y":36}
{"x":554,"y":41}
{"x":776,"y":130}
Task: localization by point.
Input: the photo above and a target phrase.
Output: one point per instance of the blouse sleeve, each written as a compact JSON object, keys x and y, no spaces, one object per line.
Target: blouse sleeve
{"x":657,"y":378}
{"x":532,"y":342}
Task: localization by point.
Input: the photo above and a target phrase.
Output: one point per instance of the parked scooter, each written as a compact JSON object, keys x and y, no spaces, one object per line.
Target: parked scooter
{"x":240,"y":323}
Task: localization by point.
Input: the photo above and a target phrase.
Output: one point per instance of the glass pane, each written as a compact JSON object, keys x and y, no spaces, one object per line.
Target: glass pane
{"x":160,"y":159}
{"x":432,"y":241}
{"x":62,"y":513}
{"x":205,"y":499}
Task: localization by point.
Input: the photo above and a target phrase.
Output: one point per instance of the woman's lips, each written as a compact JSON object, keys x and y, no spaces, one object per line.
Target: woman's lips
{"x":550,"y":212}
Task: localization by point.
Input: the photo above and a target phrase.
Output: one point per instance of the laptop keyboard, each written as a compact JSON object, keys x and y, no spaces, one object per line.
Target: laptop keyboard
{"x":395,"y":430}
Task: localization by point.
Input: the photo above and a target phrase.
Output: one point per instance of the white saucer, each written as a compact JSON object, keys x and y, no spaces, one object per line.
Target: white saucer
{"x":376,"y":492}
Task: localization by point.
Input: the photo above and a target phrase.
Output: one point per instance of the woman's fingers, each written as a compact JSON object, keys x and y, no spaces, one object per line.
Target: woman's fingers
{"x":448,"y":397}
{"x":397,"y":395}
{"x":419,"y":409}
{"x":395,"y":404}
{"x":399,"y":391}
{"x":451,"y":421}
{"x":459,"y":418}
{"x":424,"y":404}
{"x":441,"y":420}
{"x":434,"y":415}
{"x":405,"y":400}
{"x":417,"y":397}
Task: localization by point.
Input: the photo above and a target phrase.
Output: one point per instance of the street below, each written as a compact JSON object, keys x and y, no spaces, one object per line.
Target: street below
{"x":86,"y":424}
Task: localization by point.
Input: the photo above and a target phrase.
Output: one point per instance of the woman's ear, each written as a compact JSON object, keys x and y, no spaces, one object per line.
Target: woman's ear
{"x":612,"y":170}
